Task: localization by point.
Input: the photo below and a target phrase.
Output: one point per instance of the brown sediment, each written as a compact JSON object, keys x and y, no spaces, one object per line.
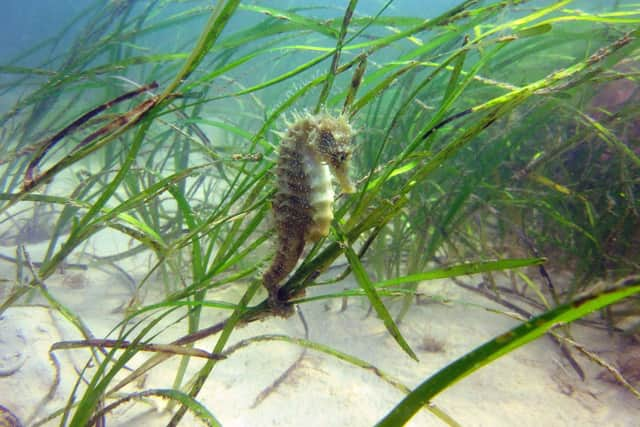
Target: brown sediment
{"x":313,"y":147}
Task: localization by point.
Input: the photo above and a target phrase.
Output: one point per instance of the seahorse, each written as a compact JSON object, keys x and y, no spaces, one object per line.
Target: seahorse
{"x":312,"y":148}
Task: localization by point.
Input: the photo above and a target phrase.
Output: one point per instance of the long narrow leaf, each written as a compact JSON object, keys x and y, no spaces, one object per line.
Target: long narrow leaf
{"x":363,"y":280}
{"x":499,"y":346}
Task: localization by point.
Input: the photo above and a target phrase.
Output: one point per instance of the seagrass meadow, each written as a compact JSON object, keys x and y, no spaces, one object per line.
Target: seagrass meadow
{"x":174,"y":252}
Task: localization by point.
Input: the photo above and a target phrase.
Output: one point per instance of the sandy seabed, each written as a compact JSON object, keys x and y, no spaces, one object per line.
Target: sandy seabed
{"x":533,"y":386}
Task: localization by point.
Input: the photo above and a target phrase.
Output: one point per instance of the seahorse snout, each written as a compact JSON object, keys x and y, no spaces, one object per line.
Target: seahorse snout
{"x":341,"y":173}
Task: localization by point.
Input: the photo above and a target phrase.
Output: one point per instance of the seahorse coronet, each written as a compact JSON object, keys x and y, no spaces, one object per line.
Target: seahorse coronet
{"x":313,"y":148}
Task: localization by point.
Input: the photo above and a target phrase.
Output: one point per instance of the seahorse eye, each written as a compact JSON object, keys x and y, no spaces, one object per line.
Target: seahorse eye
{"x":327,"y":141}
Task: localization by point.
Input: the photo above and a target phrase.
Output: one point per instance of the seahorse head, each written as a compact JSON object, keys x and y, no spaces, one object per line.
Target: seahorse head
{"x":333,"y":143}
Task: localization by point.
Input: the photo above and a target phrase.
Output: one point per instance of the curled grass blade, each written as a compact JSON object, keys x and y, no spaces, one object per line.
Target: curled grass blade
{"x":196,"y":408}
{"x":347,"y":358}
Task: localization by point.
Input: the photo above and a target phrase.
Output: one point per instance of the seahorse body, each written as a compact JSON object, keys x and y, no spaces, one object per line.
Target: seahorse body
{"x":313,"y":148}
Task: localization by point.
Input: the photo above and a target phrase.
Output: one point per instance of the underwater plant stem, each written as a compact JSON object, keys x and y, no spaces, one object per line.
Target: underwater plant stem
{"x":499,"y":346}
{"x":615,"y":373}
{"x":121,"y":344}
{"x":356,"y":79}
{"x":43,"y":147}
{"x":83,"y":228}
{"x":55,"y":304}
{"x":346,"y":20}
{"x":212,"y":30}
{"x":197,"y":408}
{"x":376,"y":302}
{"x":229,"y":326}
{"x":345,"y":357}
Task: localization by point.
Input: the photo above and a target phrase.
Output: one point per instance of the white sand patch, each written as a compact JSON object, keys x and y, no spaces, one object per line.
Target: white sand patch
{"x":533,"y":386}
